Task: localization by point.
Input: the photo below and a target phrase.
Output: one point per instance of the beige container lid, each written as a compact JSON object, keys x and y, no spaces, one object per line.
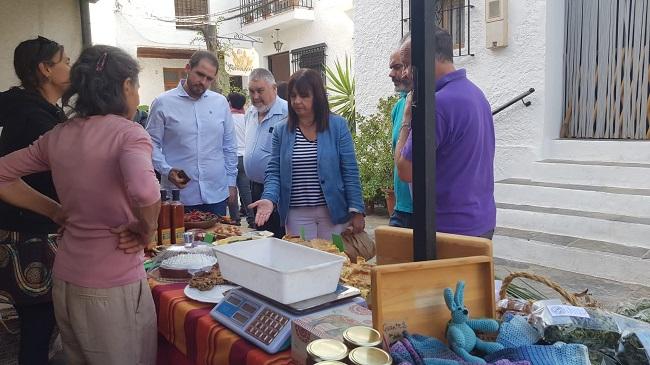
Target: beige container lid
{"x":369,"y":356}
{"x":362,"y":336}
{"x":330,"y":362}
{"x":327,"y":349}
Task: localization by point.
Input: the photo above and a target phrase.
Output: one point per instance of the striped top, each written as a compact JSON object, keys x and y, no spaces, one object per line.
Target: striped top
{"x":305,"y":188}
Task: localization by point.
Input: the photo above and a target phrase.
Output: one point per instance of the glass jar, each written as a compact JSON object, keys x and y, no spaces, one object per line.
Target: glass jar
{"x":326,"y":350}
{"x":369,"y":356}
{"x":361,"y":336}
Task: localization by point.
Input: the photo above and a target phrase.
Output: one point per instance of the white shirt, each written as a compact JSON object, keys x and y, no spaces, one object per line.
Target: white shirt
{"x":240,"y":130}
{"x":197,"y":136}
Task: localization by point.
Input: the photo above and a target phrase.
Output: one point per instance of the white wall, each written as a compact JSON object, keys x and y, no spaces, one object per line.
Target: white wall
{"x":58,"y":20}
{"x":377,"y":32}
{"x":151,"y":76}
{"x":502,"y":74}
{"x":137,"y":23}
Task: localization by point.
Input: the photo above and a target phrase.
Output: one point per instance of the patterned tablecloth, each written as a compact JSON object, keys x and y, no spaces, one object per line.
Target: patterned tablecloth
{"x":188,"y":335}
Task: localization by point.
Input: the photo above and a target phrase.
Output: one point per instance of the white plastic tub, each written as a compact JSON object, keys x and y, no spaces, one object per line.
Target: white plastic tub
{"x":283,"y":271}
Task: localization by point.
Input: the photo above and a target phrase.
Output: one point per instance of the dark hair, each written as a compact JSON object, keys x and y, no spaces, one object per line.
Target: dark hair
{"x":31,"y":53}
{"x":283,"y":90}
{"x":305,"y":82}
{"x":444,"y":45}
{"x":236,"y":100}
{"x":203,"y":55}
{"x":97,"y":79}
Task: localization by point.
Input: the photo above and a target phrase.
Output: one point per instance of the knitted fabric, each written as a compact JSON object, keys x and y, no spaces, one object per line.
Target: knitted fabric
{"x":517,"y":332}
{"x":417,"y":349}
{"x":558,"y":354}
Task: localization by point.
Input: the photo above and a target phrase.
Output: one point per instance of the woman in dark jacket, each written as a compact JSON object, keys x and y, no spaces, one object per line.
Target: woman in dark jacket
{"x":26,"y":251}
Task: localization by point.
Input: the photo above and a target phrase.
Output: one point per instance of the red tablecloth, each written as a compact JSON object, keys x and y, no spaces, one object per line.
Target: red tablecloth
{"x":189,"y":335}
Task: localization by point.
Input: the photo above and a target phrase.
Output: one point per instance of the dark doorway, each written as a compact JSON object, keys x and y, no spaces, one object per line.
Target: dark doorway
{"x":279,"y":66}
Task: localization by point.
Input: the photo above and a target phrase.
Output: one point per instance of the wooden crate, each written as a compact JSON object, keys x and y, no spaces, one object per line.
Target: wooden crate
{"x":395,"y":245}
{"x":413,"y":291}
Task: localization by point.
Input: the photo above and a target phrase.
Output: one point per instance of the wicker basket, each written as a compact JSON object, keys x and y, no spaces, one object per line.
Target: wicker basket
{"x":582,"y":299}
{"x":10,"y":337}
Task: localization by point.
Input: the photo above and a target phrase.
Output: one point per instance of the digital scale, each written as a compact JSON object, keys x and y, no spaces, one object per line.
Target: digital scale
{"x":267,"y":323}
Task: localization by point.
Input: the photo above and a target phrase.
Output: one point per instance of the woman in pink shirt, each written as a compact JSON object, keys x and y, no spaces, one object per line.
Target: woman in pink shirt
{"x":109,"y":202}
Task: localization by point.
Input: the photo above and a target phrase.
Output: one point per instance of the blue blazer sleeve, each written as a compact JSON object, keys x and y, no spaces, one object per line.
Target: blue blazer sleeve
{"x":272,"y":177}
{"x":349,"y":168}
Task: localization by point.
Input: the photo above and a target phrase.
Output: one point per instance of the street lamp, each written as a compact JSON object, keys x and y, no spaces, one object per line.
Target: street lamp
{"x":277,"y":44}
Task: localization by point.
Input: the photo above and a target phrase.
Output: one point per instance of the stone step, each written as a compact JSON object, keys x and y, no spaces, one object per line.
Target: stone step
{"x":629,"y":264}
{"x":600,"y":173}
{"x":600,"y":150}
{"x":623,"y":229}
{"x":601,"y":199}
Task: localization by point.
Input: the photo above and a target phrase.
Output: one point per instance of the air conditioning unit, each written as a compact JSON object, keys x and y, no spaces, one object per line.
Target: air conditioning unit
{"x":496,"y":23}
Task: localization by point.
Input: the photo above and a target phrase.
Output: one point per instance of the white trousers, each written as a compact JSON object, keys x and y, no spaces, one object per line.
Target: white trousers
{"x":315,"y":221}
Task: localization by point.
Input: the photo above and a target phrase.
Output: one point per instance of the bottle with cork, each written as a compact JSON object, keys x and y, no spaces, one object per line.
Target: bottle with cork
{"x":164,"y":220}
{"x":177,"y":218}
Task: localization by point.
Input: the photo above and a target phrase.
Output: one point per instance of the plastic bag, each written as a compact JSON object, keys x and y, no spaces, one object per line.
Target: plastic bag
{"x":515,"y":306}
{"x":638,"y":310}
{"x":634,"y":348}
{"x":596,"y":329}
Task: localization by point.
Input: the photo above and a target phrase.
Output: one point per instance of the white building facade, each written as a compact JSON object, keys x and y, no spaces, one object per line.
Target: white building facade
{"x":575,"y":204}
{"x":312,"y":33}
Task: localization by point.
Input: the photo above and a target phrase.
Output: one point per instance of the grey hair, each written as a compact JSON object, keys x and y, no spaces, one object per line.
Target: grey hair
{"x":262,"y":74}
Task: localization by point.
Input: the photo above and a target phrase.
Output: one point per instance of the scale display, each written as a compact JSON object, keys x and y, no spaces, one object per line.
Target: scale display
{"x":266,"y":324}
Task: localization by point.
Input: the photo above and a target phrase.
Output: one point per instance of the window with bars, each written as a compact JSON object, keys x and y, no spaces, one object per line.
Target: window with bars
{"x":188,"y":8}
{"x":451,"y":15}
{"x":309,"y":57}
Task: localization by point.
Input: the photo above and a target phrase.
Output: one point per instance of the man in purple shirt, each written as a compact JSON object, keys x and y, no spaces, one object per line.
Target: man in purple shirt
{"x":464,"y":147}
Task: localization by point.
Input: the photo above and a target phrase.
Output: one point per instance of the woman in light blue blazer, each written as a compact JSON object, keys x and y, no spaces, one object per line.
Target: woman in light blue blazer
{"x":312,"y":177}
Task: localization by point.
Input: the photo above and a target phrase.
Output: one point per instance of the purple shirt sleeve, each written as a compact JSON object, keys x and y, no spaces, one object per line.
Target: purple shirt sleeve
{"x":407,"y":150}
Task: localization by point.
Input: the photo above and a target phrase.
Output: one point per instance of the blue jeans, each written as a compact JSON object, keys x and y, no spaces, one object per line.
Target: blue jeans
{"x":215,"y":208}
{"x":401,"y":219}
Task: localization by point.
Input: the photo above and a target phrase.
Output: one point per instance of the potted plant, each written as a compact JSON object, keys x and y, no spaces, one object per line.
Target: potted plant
{"x":373,"y":146}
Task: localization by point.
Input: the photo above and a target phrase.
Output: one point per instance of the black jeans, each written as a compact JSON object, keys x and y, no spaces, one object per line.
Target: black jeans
{"x":273,"y":224}
{"x":36,"y":326}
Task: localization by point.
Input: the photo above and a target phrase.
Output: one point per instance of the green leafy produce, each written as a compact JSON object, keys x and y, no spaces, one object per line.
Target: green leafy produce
{"x":633,"y":350}
{"x":600,"y":332}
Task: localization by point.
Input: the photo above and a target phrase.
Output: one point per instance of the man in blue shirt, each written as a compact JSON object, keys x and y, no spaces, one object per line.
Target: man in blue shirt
{"x":401,"y":216}
{"x":194,"y":142}
{"x":266,"y":112}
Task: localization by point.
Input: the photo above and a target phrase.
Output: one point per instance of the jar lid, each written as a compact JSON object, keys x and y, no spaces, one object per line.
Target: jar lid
{"x":330,"y":362}
{"x":362,"y":336}
{"x":327,"y":349}
{"x":369,"y":356}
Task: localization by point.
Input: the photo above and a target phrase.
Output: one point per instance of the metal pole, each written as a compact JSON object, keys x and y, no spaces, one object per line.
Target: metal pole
{"x":422,"y":14}
{"x":84,"y":13}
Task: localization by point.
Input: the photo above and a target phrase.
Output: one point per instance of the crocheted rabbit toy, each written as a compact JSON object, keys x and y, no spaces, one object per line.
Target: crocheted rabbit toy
{"x":460,"y":330}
